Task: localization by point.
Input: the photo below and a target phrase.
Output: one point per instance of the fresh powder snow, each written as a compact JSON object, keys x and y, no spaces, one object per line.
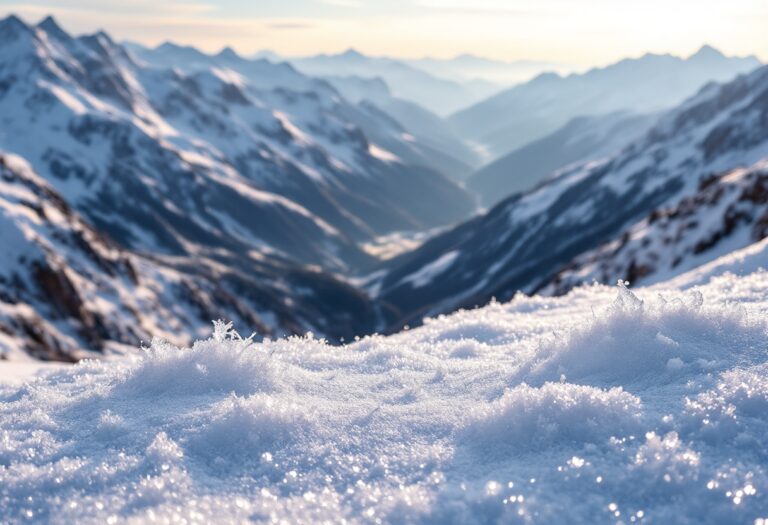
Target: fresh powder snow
{"x":608,"y":405}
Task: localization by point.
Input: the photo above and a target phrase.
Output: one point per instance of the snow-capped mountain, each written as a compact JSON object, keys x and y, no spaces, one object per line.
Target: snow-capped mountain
{"x":419,"y":137}
{"x":439,"y":95}
{"x":429,"y":139}
{"x":581,"y":139}
{"x":522,"y":242}
{"x":194,"y":194}
{"x":363,"y":151}
{"x":728,"y":212}
{"x":235,"y":156}
{"x":524,"y":113}
{"x":67,"y":288}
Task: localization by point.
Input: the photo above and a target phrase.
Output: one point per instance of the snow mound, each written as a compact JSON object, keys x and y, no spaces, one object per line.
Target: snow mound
{"x":652,"y":340}
{"x":595,"y":407}
{"x":733,"y":410}
{"x":220,"y":364}
{"x":527,"y":418}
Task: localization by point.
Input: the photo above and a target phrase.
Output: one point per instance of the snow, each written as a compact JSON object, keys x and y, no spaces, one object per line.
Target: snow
{"x":288,"y":142}
{"x":752,"y":259}
{"x":393,"y":244}
{"x":428,"y":272}
{"x":382,"y":154}
{"x":606,"y":405}
{"x":720,"y":218}
{"x":20,"y":372}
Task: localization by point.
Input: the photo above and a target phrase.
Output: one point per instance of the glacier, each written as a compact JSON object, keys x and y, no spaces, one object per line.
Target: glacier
{"x":606,"y":405}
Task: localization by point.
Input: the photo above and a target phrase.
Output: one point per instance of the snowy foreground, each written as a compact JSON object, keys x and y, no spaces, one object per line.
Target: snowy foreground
{"x":605,"y":406}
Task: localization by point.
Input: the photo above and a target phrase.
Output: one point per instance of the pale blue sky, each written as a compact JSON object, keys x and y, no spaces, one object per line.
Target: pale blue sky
{"x":580,"y":32}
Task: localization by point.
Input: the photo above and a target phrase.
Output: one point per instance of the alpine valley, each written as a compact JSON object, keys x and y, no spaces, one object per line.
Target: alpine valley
{"x":139,"y":198}
{"x":146,"y":191}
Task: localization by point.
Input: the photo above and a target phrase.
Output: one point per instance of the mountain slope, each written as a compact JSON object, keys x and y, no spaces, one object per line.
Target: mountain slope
{"x":532,"y":110}
{"x":439,"y":95}
{"x":728,"y":212}
{"x":67,"y":290}
{"x":523,"y":241}
{"x":104,"y":145}
{"x":312,"y":146}
{"x":205,"y":160}
{"x":418,"y":137}
{"x":581,"y":139}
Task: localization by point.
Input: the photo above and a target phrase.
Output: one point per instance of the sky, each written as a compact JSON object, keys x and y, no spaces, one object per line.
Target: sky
{"x":577,"y":32}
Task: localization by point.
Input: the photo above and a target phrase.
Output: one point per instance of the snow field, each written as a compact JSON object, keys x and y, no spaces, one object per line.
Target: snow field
{"x":603,"y":406}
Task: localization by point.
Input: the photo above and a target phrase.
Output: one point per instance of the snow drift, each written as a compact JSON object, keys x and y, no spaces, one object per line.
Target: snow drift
{"x":603,"y":406}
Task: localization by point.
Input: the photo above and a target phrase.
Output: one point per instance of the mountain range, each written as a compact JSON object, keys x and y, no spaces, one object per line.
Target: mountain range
{"x":527,"y":242}
{"x":441,"y":95}
{"x":237,"y":178}
{"x":651,"y":83}
{"x":147,"y":191}
{"x":580,"y":139}
{"x":467,"y":67}
{"x":132,"y":143}
{"x":68,"y":290}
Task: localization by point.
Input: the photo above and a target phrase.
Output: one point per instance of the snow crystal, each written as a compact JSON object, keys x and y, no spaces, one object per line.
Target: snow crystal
{"x":602,"y":406}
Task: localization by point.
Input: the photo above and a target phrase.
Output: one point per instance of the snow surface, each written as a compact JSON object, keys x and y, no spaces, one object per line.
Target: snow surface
{"x":20,"y":372}
{"x":425,"y":275}
{"x":603,"y":406}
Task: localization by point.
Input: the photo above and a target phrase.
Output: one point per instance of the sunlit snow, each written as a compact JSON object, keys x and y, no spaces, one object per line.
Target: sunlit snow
{"x":607,"y":405}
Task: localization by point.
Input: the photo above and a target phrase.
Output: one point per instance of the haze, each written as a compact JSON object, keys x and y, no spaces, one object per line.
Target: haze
{"x":579,"y":33}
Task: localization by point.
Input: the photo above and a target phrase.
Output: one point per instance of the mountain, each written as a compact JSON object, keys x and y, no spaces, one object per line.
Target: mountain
{"x":439,"y":95}
{"x":524,"y":241}
{"x":207,"y":159}
{"x":727,"y":212}
{"x":468,"y":67}
{"x":418,"y":136}
{"x":161,"y":197}
{"x":581,"y":139}
{"x":68,"y":291}
{"x":361,"y":149}
{"x":527,"y":112}
{"x":124,"y":146}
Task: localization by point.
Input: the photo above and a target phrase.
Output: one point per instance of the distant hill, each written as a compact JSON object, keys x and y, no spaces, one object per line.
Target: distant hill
{"x":590,"y":213}
{"x":582,"y":138}
{"x":437,"y":94}
{"x":524,"y":113}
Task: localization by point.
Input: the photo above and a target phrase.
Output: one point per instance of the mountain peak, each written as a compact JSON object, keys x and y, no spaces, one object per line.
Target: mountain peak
{"x":52,"y":28}
{"x":707,"y":52}
{"x":13,"y":23}
{"x":352,"y":53}
{"x":168,"y":46}
{"x":228,"y":54}
{"x":103,"y":35}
